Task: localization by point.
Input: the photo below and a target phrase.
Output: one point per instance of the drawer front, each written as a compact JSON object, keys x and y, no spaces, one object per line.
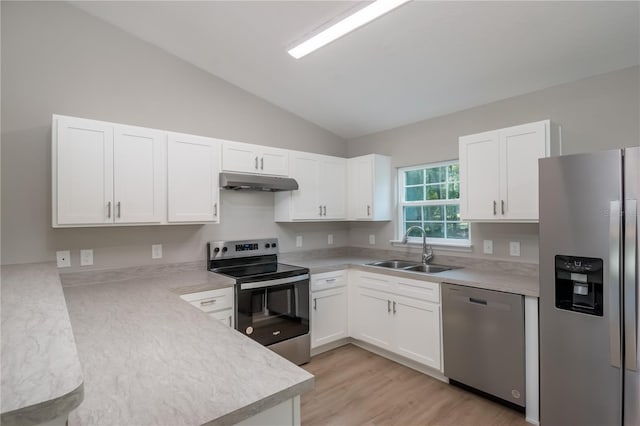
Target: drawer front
{"x":415,"y":289}
{"x":328,"y":280}
{"x":211,"y":300}
{"x":225,"y":317}
{"x":376,"y":282}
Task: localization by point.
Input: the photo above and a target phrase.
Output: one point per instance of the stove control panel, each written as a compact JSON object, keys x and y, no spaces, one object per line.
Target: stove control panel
{"x":242,"y":248}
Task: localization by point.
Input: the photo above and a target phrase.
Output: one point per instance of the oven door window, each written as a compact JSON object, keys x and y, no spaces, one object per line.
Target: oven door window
{"x":273,"y":314}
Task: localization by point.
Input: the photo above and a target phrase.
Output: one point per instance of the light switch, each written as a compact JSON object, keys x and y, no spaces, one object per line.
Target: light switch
{"x":156,"y":251}
{"x":372,"y":239}
{"x":487,"y":247}
{"x":86,"y":257}
{"x":330,"y":239}
{"x":514,"y":248}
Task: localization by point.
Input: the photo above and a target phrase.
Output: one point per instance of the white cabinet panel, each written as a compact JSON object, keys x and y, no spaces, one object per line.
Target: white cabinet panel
{"x":521,"y":147}
{"x":373,"y":318}
{"x":369,"y":187}
{"x":479,"y":175}
{"x":248,"y":158}
{"x":321,"y":194}
{"x":400,"y":315}
{"x":217,"y":303}
{"x":328,"y":316}
{"x":417,"y":330}
{"x":138,"y":172}
{"x":333,"y":191}
{"x":192,"y":179}
{"x":499,"y":172}
{"x":82,"y":172}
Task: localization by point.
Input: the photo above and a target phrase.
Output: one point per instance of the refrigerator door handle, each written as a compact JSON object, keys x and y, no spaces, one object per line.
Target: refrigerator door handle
{"x":614,"y":283}
{"x":630,"y":285}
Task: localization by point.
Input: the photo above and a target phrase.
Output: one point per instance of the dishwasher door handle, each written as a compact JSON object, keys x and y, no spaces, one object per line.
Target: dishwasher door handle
{"x":477,"y":301}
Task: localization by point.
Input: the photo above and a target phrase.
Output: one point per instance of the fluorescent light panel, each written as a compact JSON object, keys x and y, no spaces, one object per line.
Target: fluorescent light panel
{"x":348,"y":24}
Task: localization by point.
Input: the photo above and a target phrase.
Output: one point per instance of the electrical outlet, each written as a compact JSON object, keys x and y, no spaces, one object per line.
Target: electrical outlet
{"x":156,"y":251}
{"x":514,"y":248}
{"x":86,"y":257}
{"x":63,"y":258}
{"x":330,"y":239}
{"x":488,"y":247}
{"x":299,"y":241}
{"x":372,"y":239}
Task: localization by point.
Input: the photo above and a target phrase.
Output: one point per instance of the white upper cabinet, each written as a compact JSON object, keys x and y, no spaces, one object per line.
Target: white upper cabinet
{"x":105,"y":173}
{"x":248,"y":158}
{"x":322,"y":190}
{"x":193,"y":169}
{"x":369,"y":186}
{"x":137,"y":175}
{"x":499,"y":172}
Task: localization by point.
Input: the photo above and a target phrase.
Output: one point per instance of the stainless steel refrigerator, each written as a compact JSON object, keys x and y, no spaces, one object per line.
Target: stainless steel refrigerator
{"x":589,"y":295}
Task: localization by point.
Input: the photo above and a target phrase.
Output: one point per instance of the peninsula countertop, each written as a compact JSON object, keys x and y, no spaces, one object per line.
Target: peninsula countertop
{"x":149,"y":358}
{"x":41,"y":375}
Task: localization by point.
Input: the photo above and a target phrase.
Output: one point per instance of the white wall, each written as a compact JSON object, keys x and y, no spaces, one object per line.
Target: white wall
{"x":597,"y":113}
{"x":58,"y":59}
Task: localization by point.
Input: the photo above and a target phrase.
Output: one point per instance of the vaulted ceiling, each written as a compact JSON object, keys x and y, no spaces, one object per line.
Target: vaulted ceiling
{"x":425,"y":59}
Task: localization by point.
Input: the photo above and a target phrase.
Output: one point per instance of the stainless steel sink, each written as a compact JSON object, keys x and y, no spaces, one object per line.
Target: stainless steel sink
{"x":430,"y":268}
{"x":407,"y":265}
{"x":394,"y":264}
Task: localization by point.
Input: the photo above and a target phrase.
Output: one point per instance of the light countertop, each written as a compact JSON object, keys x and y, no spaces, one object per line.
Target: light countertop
{"x":150,"y":358}
{"x":41,"y":373}
{"x":524,"y":284}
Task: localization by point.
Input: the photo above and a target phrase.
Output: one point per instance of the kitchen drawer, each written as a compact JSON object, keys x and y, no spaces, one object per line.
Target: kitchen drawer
{"x":211,"y":300}
{"x":328,"y":280}
{"x":377,"y":282}
{"x":225,"y":316}
{"x":422,"y":290}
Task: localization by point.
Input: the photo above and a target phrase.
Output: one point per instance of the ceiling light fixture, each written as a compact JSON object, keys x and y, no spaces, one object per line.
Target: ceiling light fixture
{"x":345,"y":26}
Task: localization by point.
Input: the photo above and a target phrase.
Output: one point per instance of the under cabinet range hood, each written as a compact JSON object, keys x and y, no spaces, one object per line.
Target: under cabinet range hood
{"x":247,"y":182}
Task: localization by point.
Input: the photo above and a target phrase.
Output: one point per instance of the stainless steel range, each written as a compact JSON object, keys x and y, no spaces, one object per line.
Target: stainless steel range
{"x":271,"y":298}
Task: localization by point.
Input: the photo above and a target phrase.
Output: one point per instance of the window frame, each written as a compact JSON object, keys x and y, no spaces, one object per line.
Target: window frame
{"x":401,"y":203}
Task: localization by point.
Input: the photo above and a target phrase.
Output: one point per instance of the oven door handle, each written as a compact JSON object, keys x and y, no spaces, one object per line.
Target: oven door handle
{"x":271,"y":283}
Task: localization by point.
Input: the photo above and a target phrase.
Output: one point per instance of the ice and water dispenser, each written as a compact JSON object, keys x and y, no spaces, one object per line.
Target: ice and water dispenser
{"x":579,"y":284}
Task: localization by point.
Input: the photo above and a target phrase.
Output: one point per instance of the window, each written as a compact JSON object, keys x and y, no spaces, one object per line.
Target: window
{"x":429,"y":197}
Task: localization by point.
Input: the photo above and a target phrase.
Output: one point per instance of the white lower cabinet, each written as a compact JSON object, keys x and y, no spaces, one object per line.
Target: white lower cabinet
{"x":399,"y":315}
{"x":217,"y":303}
{"x":329,"y":300}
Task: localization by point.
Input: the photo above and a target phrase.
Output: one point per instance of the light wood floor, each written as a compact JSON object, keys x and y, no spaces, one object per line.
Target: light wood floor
{"x":355,"y":387}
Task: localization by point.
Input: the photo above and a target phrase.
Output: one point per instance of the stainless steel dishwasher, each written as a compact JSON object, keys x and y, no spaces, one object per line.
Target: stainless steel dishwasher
{"x":483,"y":339}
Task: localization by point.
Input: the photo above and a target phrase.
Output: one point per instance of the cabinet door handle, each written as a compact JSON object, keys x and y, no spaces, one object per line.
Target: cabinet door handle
{"x":256,"y":167}
{"x":325,"y":211}
{"x":495,"y":208}
{"x":394,"y":307}
{"x":388,"y":306}
{"x":109,"y":210}
{"x":208,"y":302}
{"x":502,"y":206}
{"x":119,"y":209}
{"x":368,"y":210}
{"x":262,"y":163}
{"x":215,"y":209}
{"x":315,"y":304}
{"x":320,"y":210}
{"x":229,"y":320}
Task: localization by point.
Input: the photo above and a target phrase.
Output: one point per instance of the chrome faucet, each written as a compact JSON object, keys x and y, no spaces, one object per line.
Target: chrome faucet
{"x":427,"y":251}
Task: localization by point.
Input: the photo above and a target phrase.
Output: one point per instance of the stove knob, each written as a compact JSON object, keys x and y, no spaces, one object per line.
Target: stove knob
{"x":224,"y":249}
{"x":267,"y":245}
{"x":216,"y":250}
{"x":273,"y":245}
